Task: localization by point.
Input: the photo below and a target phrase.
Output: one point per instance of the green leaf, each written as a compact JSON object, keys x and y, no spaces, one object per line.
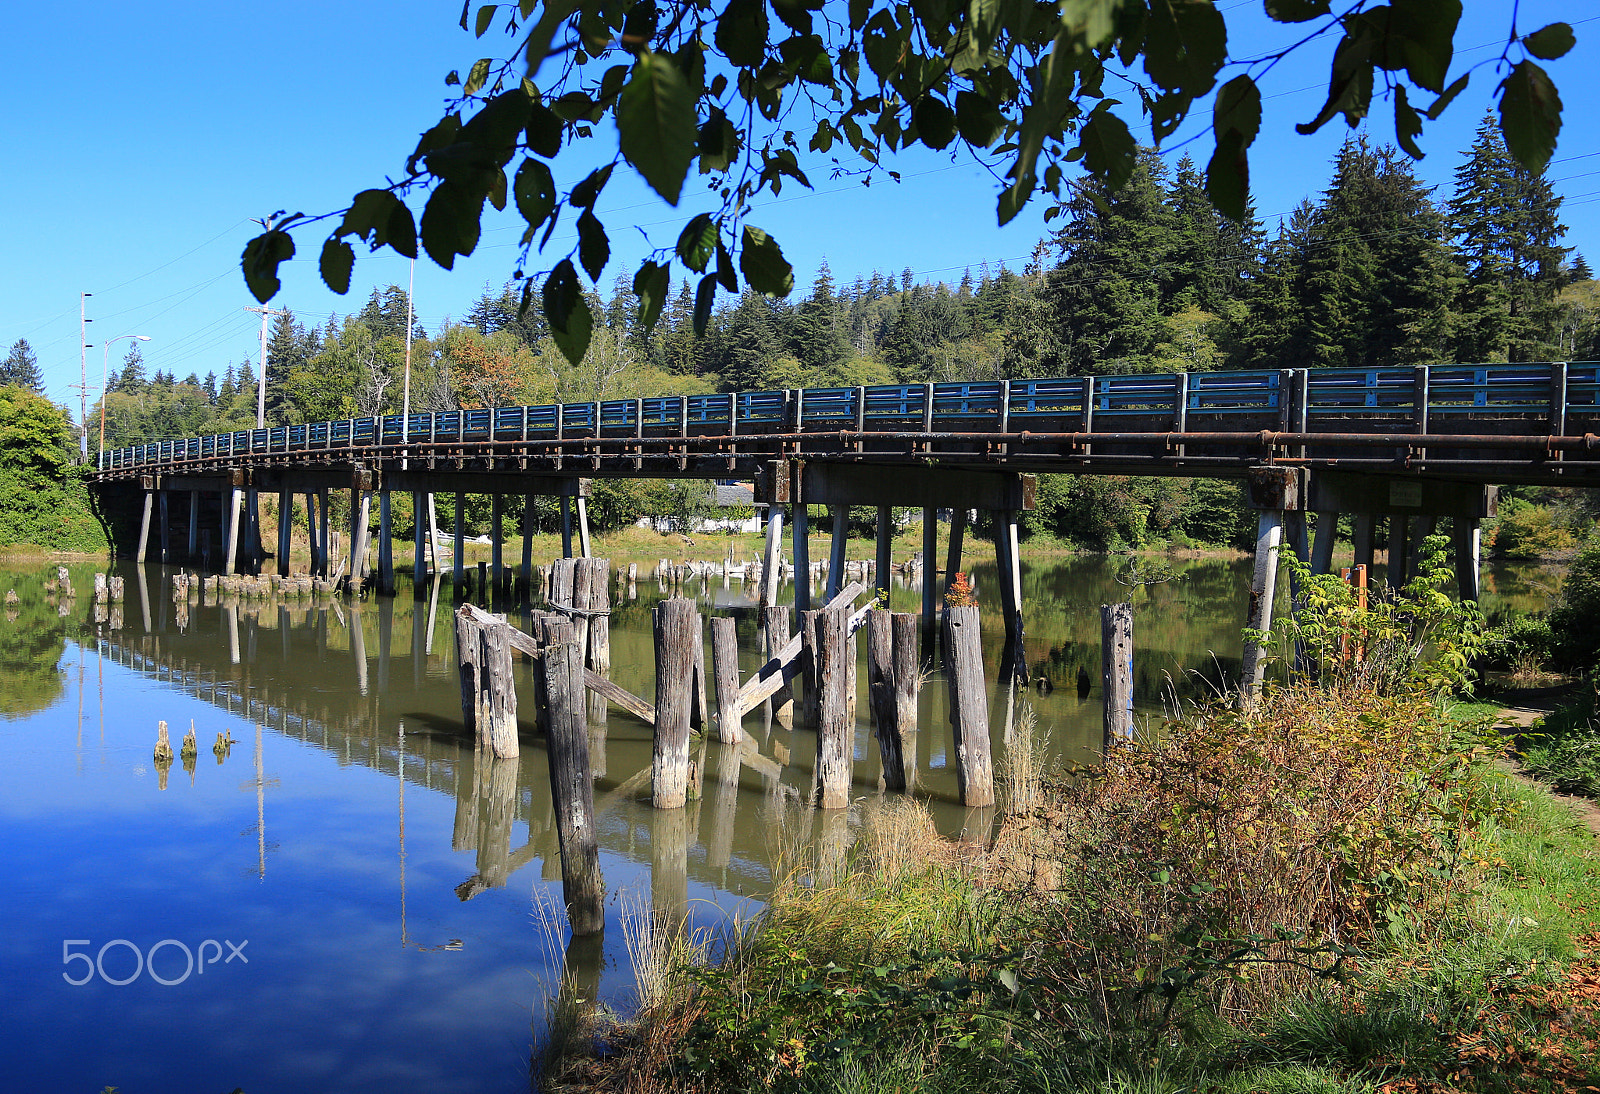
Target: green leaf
{"x":1422,"y":33}
{"x":594,"y":249}
{"x":543,"y":131}
{"x":977,"y":119}
{"x":336,"y":263}
{"x":450,"y":223}
{"x":485,"y":18}
{"x":763,"y":265}
{"x":656,"y":124}
{"x":587,"y":192}
{"x":1407,"y":124}
{"x":1449,"y":96}
{"x":1350,"y":83}
{"x":725,"y":275}
{"x":1550,"y":42}
{"x":571,"y":323}
{"x":1237,"y":109}
{"x":442,"y":135}
{"x":1228,"y":177}
{"x":1530,"y":115}
{"x":651,"y":285}
{"x":741,"y":32}
{"x":260,"y":261}
{"x":698,"y":242}
{"x":477,"y":77}
{"x":936,"y":122}
{"x":704,"y":294}
{"x":380,"y":218}
{"x":1185,"y":46}
{"x":1296,"y":11}
{"x":535,"y":192}
{"x":1108,"y":148}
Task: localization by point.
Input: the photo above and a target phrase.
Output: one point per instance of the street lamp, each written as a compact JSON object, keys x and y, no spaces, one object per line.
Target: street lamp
{"x":105,"y":371}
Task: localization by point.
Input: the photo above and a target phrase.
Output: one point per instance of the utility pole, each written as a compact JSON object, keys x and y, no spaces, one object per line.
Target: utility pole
{"x":261,"y":382}
{"x":266,"y":313}
{"x":83,"y":385}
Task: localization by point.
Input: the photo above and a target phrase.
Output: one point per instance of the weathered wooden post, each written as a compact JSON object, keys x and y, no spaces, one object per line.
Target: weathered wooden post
{"x":893,"y":681}
{"x":674,"y":629}
{"x":571,"y":783}
{"x":468,"y":652}
{"x":700,"y":713}
{"x":725,"y":667}
{"x":775,"y":635}
{"x":881,"y":696}
{"x":599,"y":630}
{"x":835,"y":736}
{"x":1116,"y":674}
{"x":969,"y":704}
{"x":808,"y":669}
{"x":498,"y":691}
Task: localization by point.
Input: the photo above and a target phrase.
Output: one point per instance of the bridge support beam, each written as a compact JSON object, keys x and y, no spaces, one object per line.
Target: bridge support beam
{"x":230,"y":523}
{"x":1412,"y":509}
{"x":800,"y":530}
{"x":840,"y":516}
{"x":144,"y":525}
{"x":421,"y":532}
{"x":194,"y":525}
{"x":497,"y":559}
{"x":385,"y":545}
{"x":884,"y":562}
{"x":285,"y":528}
{"x":526,"y":576}
{"x":1274,"y":492}
{"x":566,"y":527}
{"x":929,"y":571}
{"x":582,"y":504}
{"x":1013,"y":656}
{"x":1467,"y":541}
{"x":772,"y":557}
{"x":458,"y":562}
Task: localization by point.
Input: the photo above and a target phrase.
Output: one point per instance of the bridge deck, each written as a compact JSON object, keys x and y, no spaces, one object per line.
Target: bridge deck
{"x":1508,"y":423}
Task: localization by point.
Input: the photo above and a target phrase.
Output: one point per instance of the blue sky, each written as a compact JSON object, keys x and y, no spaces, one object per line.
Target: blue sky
{"x":144,"y":137}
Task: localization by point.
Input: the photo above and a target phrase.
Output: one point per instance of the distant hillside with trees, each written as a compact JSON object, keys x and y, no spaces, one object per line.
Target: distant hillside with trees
{"x":1375,"y":270}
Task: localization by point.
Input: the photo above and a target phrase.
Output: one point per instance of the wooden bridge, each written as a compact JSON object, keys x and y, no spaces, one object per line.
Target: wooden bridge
{"x":1407,"y":446}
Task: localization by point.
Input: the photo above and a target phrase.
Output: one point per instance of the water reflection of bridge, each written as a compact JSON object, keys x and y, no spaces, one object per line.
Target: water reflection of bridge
{"x":344,"y":690}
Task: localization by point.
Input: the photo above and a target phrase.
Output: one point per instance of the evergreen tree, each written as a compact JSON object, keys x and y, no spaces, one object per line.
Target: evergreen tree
{"x":21,"y":368}
{"x":1273,"y":334}
{"x":1214,"y":260}
{"x":290,"y":347}
{"x":131,"y":380}
{"x":818,"y":337}
{"x":1378,"y":280}
{"x":385,"y":315}
{"x":1579,"y":270}
{"x":1503,"y":218}
{"x":1114,"y":271}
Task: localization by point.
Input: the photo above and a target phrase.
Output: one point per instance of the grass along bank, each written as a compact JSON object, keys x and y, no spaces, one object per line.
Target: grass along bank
{"x":1336,"y":894}
{"x":1339,"y":891}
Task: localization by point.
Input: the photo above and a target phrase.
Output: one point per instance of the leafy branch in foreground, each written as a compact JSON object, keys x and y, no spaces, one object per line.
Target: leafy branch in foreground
{"x":736,"y":89}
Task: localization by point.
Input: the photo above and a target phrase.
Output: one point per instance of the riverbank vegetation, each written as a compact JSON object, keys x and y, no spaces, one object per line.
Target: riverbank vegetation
{"x":44,"y":498}
{"x":1335,"y":891}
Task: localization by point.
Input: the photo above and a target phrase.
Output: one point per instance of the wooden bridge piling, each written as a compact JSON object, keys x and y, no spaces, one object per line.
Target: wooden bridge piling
{"x":385,"y":545}
{"x":892,"y":686}
{"x":1116,"y":675}
{"x":571,"y":778}
{"x":674,"y":630}
{"x":725,"y":668}
{"x":774,"y":637}
{"x":835,"y":647}
{"x":800,"y":526}
{"x":459,"y":546}
{"x":969,"y":705}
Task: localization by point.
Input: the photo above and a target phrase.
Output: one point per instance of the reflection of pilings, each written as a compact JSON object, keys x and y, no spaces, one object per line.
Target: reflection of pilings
{"x":669,"y":864}
{"x":571,"y":782}
{"x":358,"y":645}
{"x":495,"y":782}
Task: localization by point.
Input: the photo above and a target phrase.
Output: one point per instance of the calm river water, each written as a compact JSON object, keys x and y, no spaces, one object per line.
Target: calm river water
{"x":347,"y":898}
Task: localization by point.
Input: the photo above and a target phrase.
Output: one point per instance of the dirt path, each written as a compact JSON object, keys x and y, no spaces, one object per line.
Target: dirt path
{"x":1525,"y":706}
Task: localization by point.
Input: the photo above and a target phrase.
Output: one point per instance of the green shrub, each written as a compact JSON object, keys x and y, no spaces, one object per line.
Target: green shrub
{"x":1573,"y":621}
